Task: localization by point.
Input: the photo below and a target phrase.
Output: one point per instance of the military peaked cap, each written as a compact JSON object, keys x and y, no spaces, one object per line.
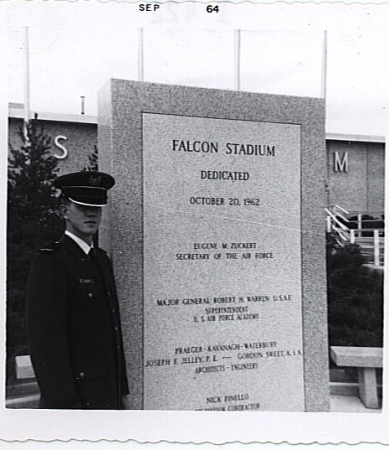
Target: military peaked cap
{"x":85,"y":188}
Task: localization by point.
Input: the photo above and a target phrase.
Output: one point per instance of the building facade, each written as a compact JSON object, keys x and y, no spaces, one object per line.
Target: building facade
{"x":356,"y":173}
{"x":73,"y":137}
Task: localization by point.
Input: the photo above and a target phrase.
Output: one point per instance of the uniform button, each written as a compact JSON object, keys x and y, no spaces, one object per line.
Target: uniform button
{"x":81,"y":374}
{"x":116,"y":328}
{"x":113,"y":310}
{"x":87,"y":403}
{"x":90,"y":294}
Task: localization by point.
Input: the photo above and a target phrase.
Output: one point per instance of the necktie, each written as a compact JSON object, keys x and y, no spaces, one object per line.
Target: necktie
{"x":93,"y":257}
{"x":92,"y":254}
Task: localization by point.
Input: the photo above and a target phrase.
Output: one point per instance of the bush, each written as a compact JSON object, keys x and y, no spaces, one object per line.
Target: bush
{"x":32,"y":222}
{"x":355,"y":298}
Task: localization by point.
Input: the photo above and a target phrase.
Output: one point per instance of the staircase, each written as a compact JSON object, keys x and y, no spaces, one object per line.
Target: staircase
{"x":355,"y":227}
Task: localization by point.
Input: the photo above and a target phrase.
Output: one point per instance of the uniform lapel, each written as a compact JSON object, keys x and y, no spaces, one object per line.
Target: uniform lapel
{"x":102,"y":261}
{"x":76,"y":250}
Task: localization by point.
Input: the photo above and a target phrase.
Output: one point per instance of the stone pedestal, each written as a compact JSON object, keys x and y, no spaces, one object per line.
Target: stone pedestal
{"x":216,"y":231}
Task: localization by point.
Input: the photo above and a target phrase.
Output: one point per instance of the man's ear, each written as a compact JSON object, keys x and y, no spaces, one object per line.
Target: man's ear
{"x":64,"y":211}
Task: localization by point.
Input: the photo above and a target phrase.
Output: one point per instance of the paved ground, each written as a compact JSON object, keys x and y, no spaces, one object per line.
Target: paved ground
{"x":347,"y":403}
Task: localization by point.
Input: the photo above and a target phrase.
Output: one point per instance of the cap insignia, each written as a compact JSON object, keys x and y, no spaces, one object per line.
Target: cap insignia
{"x":95,"y":180}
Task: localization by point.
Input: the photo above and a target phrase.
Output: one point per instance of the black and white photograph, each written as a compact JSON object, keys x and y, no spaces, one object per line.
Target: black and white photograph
{"x":194,"y":221}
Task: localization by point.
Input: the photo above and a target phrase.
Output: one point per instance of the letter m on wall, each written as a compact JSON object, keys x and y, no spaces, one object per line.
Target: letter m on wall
{"x":340,"y":162}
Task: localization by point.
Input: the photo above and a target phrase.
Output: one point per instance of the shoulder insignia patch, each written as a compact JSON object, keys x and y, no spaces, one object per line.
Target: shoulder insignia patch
{"x":50,"y":249}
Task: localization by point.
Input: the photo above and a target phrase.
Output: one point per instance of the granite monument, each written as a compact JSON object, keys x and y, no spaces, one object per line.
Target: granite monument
{"x":216,"y":231}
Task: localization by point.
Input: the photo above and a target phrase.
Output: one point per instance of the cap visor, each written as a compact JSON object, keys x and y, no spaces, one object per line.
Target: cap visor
{"x":86,"y":204}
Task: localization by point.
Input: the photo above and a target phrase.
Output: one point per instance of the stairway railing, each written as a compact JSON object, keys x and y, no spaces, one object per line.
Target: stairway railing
{"x":364,"y":230}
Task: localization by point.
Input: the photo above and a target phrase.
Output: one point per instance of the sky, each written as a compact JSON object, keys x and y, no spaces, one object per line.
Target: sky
{"x":75,"y":47}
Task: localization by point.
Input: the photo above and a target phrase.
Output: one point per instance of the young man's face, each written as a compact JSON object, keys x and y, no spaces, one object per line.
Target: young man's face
{"x":83,"y":221}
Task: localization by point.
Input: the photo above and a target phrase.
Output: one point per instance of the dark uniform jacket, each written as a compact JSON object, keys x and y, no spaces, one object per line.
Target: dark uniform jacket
{"x":74,"y":329}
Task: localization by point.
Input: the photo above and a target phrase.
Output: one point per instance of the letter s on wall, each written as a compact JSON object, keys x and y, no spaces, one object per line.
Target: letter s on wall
{"x":61,"y":147}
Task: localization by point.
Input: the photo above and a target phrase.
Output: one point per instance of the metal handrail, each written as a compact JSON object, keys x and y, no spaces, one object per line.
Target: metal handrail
{"x":342,"y":209}
{"x":343,"y":226}
{"x":354,"y":235}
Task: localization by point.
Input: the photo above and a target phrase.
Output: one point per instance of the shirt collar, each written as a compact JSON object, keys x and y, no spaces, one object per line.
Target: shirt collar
{"x":84,"y":246}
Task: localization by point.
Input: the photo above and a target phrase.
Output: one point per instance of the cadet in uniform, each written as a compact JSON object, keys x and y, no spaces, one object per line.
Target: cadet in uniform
{"x":72,"y":308}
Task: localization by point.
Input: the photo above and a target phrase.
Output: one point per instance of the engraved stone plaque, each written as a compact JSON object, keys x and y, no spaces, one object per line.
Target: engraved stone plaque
{"x":222,"y":264}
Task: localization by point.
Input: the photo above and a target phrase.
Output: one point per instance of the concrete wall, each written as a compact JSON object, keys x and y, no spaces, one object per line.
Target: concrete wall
{"x":81,"y":140}
{"x":376,"y":177}
{"x":361,"y":185}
